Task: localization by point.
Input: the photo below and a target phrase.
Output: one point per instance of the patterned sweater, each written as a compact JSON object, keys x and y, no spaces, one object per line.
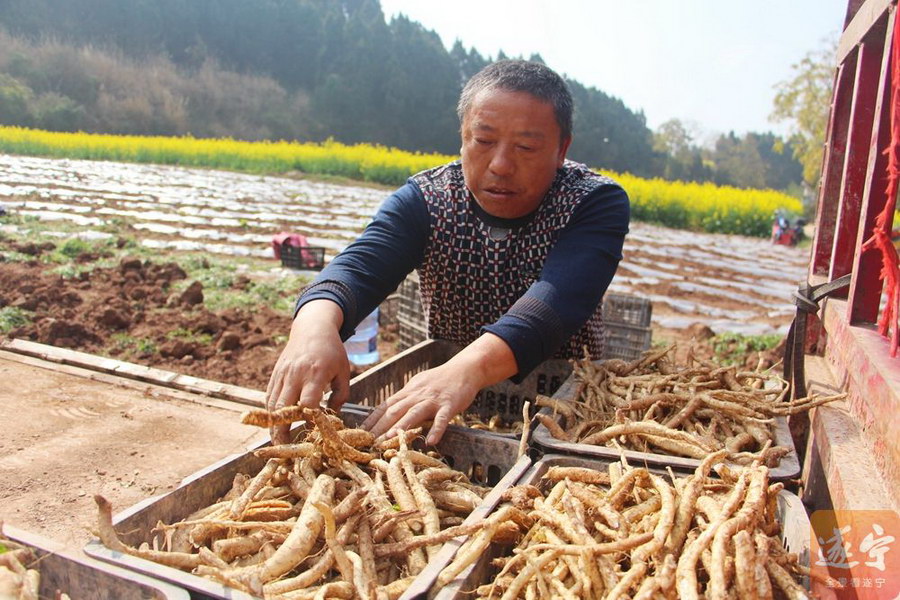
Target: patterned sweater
{"x":537,"y":282}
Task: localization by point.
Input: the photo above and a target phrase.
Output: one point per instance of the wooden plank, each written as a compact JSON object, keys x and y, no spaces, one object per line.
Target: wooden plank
{"x":839,"y":469}
{"x":853,"y":7}
{"x":137,"y":372}
{"x":863,"y":21}
{"x":860,"y":360}
{"x":856,"y":159}
{"x":832,"y":168}
{"x":865,"y":286}
{"x":148,"y":389}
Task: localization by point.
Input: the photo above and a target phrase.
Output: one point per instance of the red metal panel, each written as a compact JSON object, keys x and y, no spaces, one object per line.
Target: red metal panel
{"x":865,"y":286}
{"x":832,"y":167}
{"x":856,"y":160}
{"x":861,"y":18}
{"x":852,"y":8}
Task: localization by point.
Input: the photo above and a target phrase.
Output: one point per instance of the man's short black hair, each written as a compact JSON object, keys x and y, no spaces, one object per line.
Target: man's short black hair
{"x":537,"y":79}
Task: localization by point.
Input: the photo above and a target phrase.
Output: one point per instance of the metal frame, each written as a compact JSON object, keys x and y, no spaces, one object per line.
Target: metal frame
{"x":853,"y":185}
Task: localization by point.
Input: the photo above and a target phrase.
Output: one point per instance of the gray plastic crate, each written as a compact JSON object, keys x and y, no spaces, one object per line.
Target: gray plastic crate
{"x":626,"y":326}
{"x":627,"y":309}
{"x":790,"y":514}
{"x":84,"y":578}
{"x":410,"y":315}
{"x":410,"y":331}
{"x":626,"y":321}
{"x":788,"y":467}
{"x":623,"y":341}
{"x":303,"y":257}
{"x":489,"y":459}
{"x":505,"y":398}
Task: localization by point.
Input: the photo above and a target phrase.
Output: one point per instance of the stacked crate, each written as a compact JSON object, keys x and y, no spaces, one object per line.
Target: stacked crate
{"x":410,"y":316}
{"x":626,"y":320}
{"x":626,"y":326}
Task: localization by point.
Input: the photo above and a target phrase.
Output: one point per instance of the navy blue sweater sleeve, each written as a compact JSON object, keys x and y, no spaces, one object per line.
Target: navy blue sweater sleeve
{"x":372,"y":266}
{"x":571,"y":285}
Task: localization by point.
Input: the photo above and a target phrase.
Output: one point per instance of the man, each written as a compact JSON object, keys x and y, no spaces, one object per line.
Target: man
{"x":515,"y":247}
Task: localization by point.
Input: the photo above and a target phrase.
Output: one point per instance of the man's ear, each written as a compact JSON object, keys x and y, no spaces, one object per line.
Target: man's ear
{"x":563,"y":148}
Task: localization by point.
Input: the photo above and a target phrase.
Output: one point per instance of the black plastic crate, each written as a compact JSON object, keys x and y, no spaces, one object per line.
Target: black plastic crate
{"x":788,"y":467}
{"x":302,"y":257}
{"x":505,"y":398}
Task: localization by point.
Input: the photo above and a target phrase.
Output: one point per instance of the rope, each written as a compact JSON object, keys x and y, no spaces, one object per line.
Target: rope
{"x":889,"y":322}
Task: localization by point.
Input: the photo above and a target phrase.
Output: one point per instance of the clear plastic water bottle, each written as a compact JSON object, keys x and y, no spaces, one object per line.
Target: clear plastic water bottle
{"x":362,"y":346}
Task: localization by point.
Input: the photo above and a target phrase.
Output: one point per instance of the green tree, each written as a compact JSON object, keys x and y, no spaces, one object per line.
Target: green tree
{"x":681,"y":158}
{"x":609,"y":135}
{"x":738,"y":162}
{"x":804,"y":101}
{"x":14,"y":99}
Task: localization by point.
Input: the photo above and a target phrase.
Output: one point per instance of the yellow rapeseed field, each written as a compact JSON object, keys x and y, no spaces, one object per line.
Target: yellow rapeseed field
{"x":705,"y":207}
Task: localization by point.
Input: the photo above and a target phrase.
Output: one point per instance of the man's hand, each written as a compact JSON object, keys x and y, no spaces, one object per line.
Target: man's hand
{"x":441,"y":393}
{"x":312,"y":362}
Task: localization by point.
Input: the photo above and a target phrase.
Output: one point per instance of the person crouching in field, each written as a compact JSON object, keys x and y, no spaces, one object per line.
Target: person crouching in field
{"x":514,"y":245}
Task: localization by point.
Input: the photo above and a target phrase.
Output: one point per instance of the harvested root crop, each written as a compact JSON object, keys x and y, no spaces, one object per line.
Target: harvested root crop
{"x":689,"y":410}
{"x":495,"y":424}
{"x":19,"y":571}
{"x":329,"y":515}
{"x":644,"y":536}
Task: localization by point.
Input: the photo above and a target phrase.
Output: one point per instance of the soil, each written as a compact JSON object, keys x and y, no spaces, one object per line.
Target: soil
{"x":105,"y":311}
{"x":67,"y":437}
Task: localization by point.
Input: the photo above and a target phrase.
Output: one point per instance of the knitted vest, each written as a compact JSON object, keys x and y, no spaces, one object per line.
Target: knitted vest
{"x":469,"y":279}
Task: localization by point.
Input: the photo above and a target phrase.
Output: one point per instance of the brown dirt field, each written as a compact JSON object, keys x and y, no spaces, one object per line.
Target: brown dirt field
{"x":95,"y":312}
{"x":135,"y":300}
{"x":69,"y":434}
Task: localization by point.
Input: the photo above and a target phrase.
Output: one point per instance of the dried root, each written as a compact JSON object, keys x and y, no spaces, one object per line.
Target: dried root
{"x":690,"y":410}
{"x":644,"y":537}
{"x":320,"y":518}
{"x":19,"y":574}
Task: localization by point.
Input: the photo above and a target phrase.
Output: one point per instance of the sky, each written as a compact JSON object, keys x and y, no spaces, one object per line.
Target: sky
{"x":713,"y":64}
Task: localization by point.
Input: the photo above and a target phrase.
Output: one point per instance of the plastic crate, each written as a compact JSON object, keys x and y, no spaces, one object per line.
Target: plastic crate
{"x":84,"y":578}
{"x":626,"y":321}
{"x":303,"y":257}
{"x":627,"y":310}
{"x":505,"y":398}
{"x":788,"y":467}
{"x":790,"y":514}
{"x":410,"y":331}
{"x":626,"y":326}
{"x":489,"y":459}
{"x":410,"y":315}
{"x":625,"y":342}
{"x":410,"y":300}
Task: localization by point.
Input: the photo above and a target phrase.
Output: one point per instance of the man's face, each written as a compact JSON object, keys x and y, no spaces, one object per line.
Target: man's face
{"x":511,"y":149}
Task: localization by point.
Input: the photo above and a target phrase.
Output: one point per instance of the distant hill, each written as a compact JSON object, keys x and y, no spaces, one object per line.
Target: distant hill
{"x":263,"y":69}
